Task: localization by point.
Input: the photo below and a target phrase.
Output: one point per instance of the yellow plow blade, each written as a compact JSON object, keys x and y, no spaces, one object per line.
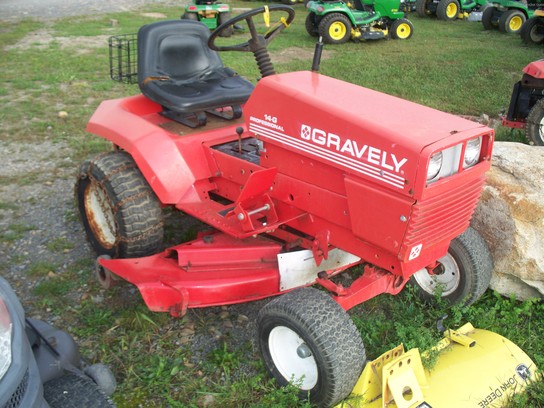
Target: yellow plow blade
{"x":476,"y":368}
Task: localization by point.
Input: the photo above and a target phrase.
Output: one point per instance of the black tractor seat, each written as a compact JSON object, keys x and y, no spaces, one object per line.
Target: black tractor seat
{"x":178,"y":70}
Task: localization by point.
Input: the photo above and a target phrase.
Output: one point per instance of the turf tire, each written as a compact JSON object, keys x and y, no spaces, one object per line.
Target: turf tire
{"x":505,"y":21}
{"x":421,"y":8}
{"x":327,"y":24}
{"x":402,"y":29}
{"x":534,"y":130}
{"x":532,"y":31}
{"x":488,"y":16}
{"x":442,"y":10}
{"x":322,"y":329}
{"x":468,"y":271}
{"x":312,"y":27}
{"x":189,"y":16}
{"x":224,"y":17}
{"x":121,"y":215}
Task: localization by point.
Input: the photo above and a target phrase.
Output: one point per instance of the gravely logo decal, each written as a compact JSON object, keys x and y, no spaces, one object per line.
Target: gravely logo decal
{"x":358,"y":157}
{"x":386,"y":160}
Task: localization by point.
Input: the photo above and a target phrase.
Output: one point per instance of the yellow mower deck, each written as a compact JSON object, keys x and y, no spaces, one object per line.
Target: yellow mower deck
{"x":476,"y":368}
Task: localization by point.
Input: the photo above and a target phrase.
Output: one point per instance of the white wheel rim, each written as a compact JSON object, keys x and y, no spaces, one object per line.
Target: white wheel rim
{"x":540,"y":128}
{"x":447,"y":281}
{"x":100,"y":215}
{"x":285,"y":345}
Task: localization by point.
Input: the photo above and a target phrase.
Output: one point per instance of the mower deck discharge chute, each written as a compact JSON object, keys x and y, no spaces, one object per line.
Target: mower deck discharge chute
{"x":299,"y":179}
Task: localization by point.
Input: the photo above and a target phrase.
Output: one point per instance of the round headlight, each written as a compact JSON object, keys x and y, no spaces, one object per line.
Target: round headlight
{"x":435,"y":164}
{"x":472,"y":152}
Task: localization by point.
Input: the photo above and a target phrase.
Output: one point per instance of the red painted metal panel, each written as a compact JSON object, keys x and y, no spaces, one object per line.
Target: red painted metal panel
{"x":347,"y":126}
{"x":378,"y":216}
{"x":224,"y":270}
{"x":535,"y":69}
{"x":171,"y":163}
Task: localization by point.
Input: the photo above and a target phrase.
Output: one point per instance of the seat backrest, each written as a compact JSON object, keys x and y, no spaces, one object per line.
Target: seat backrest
{"x":178,"y":70}
{"x":176,"y":49}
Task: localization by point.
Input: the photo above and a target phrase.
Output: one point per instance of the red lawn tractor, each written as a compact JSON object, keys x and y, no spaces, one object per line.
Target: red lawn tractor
{"x":300,"y":178}
{"x":526,"y":110}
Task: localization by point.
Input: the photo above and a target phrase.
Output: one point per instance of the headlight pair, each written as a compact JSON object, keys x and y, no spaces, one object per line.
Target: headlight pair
{"x":447,"y":162}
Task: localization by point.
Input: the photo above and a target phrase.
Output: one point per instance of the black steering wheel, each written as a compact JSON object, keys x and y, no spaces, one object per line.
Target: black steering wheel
{"x":257,"y":43}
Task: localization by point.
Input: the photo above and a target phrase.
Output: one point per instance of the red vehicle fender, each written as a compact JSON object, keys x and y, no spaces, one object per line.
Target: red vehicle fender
{"x":535,"y":69}
{"x":133,"y":124}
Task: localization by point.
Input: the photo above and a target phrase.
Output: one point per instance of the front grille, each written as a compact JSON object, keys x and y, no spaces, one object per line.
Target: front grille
{"x":18,"y":395}
{"x":442,"y":217}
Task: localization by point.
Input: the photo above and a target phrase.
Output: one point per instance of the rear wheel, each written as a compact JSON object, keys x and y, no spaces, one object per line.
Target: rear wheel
{"x":447,"y":10}
{"x":335,"y":28}
{"x":311,"y":25}
{"x":532,"y":31}
{"x":308,"y":340}
{"x":488,"y":18}
{"x":402,"y":29}
{"x":535,"y":124}
{"x":511,"y":21}
{"x":463,"y":274}
{"x":422,"y":9}
{"x":120,"y":213}
{"x":190,"y":16}
{"x":220,"y":20}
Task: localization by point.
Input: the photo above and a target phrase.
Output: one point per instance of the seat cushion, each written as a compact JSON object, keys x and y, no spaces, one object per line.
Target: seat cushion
{"x":178,"y":70}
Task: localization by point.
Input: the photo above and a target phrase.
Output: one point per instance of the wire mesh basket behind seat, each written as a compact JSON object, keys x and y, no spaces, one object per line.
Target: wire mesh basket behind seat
{"x":124,"y":58}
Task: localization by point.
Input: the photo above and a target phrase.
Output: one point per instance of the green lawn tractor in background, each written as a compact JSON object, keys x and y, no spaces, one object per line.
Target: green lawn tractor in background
{"x":532,"y":31}
{"x":210,"y":12}
{"x":506,"y":15}
{"x":337,"y":22}
{"x":449,"y":10}
{"x":408,"y":5}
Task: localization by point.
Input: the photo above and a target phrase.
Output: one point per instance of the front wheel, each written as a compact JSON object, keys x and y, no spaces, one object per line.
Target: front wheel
{"x":463,"y":273}
{"x":448,"y":10}
{"x":535,"y":124}
{"x":402,"y":29}
{"x":511,"y":21}
{"x":335,"y":28}
{"x":307,"y":340}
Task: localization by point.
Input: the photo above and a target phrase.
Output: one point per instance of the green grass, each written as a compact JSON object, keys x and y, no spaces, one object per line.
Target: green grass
{"x":15,"y":232}
{"x":456,"y":67}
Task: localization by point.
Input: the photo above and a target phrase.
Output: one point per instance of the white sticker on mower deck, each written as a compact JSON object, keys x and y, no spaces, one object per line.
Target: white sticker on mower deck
{"x":299,"y":268}
{"x":414,"y":253}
